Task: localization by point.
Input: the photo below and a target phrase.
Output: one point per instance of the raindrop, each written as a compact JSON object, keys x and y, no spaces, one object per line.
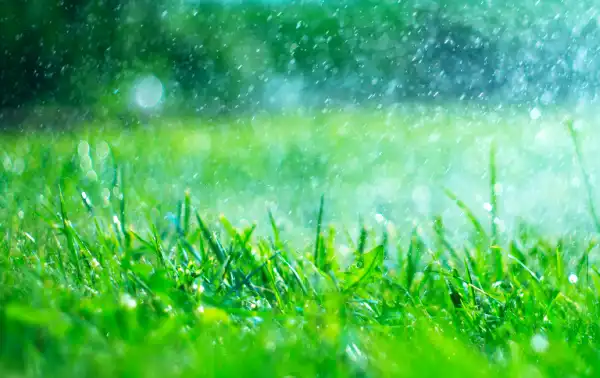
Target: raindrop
{"x":148,"y":92}
{"x":535,"y":114}
{"x":573,"y":278}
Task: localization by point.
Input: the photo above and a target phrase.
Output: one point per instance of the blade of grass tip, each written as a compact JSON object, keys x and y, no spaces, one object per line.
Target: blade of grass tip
{"x":455,"y":296}
{"x":362,"y":243}
{"x":184,"y":244}
{"x":559,"y":264}
{"x":222,"y":274}
{"x":584,"y":174}
{"x":271,"y":275}
{"x":520,"y":263}
{"x":214,"y":246}
{"x":470,"y":280}
{"x":275,"y":229}
{"x":385,"y":237}
{"x":471,"y":258}
{"x":248,"y":234}
{"x":376,"y":258}
{"x":413,"y":250}
{"x":229,"y":229}
{"x":584,"y":260}
{"x":349,"y":238}
{"x":115,"y":168}
{"x":178,"y":221}
{"x":294,"y":274}
{"x":86,"y":201}
{"x":187,"y":211}
{"x":182,"y":251}
{"x":61,"y":263}
{"x":493,"y":195}
{"x":159,"y":248}
{"x":440,"y":231}
{"x":463,"y":206}
{"x":67,"y":232}
{"x":317,"y":257}
{"x":126,"y":234}
{"x":496,"y":251}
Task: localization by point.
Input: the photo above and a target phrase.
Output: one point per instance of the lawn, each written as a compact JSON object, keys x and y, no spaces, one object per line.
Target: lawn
{"x":418,"y":241}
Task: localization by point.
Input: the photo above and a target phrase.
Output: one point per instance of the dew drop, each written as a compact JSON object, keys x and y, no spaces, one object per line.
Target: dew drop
{"x":573,"y":278}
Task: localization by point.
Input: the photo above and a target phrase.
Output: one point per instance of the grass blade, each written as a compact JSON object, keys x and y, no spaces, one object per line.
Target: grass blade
{"x":584,"y":174}
{"x":470,"y":215}
{"x":213,"y":244}
{"x":495,"y":249}
{"x":317,"y":254}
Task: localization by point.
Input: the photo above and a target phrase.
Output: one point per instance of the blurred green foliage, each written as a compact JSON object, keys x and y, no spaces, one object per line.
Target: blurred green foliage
{"x":222,"y":57}
{"x":217,"y":56}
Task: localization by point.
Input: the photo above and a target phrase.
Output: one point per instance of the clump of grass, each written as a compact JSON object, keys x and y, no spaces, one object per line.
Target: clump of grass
{"x":87,"y":291}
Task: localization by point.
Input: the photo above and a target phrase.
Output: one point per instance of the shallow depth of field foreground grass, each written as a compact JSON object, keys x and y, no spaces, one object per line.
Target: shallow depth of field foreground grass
{"x":109,"y":268}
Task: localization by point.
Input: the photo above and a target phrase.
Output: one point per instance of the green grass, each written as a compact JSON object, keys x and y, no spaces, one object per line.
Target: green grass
{"x":116,"y":260}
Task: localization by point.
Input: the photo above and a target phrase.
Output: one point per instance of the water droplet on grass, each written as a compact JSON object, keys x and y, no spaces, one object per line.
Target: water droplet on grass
{"x":535,"y":114}
{"x":573,"y":278}
{"x":94,"y":263}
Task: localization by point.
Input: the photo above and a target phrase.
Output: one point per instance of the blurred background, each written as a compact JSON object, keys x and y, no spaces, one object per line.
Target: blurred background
{"x":268,"y":104}
{"x":67,"y":61}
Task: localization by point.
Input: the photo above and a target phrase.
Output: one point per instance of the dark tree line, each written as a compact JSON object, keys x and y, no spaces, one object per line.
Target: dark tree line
{"x":85,"y":53}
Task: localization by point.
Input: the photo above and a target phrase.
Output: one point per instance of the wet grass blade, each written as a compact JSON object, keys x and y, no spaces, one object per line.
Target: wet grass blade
{"x":470,"y":281}
{"x":67,"y":232}
{"x":274,"y":229}
{"x":294,"y":274}
{"x":213,"y":244}
{"x":362,"y":243}
{"x":467,"y":211}
{"x":495,"y":250}
{"x":493,"y":196}
{"x":187,"y":211}
{"x":414,"y":250}
{"x":440,"y":231}
{"x":372,"y":259}
{"x":584,"y":174}
{"x":584,"y":261}
{"x":122,"y":208}
{"x":318,"y":247}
